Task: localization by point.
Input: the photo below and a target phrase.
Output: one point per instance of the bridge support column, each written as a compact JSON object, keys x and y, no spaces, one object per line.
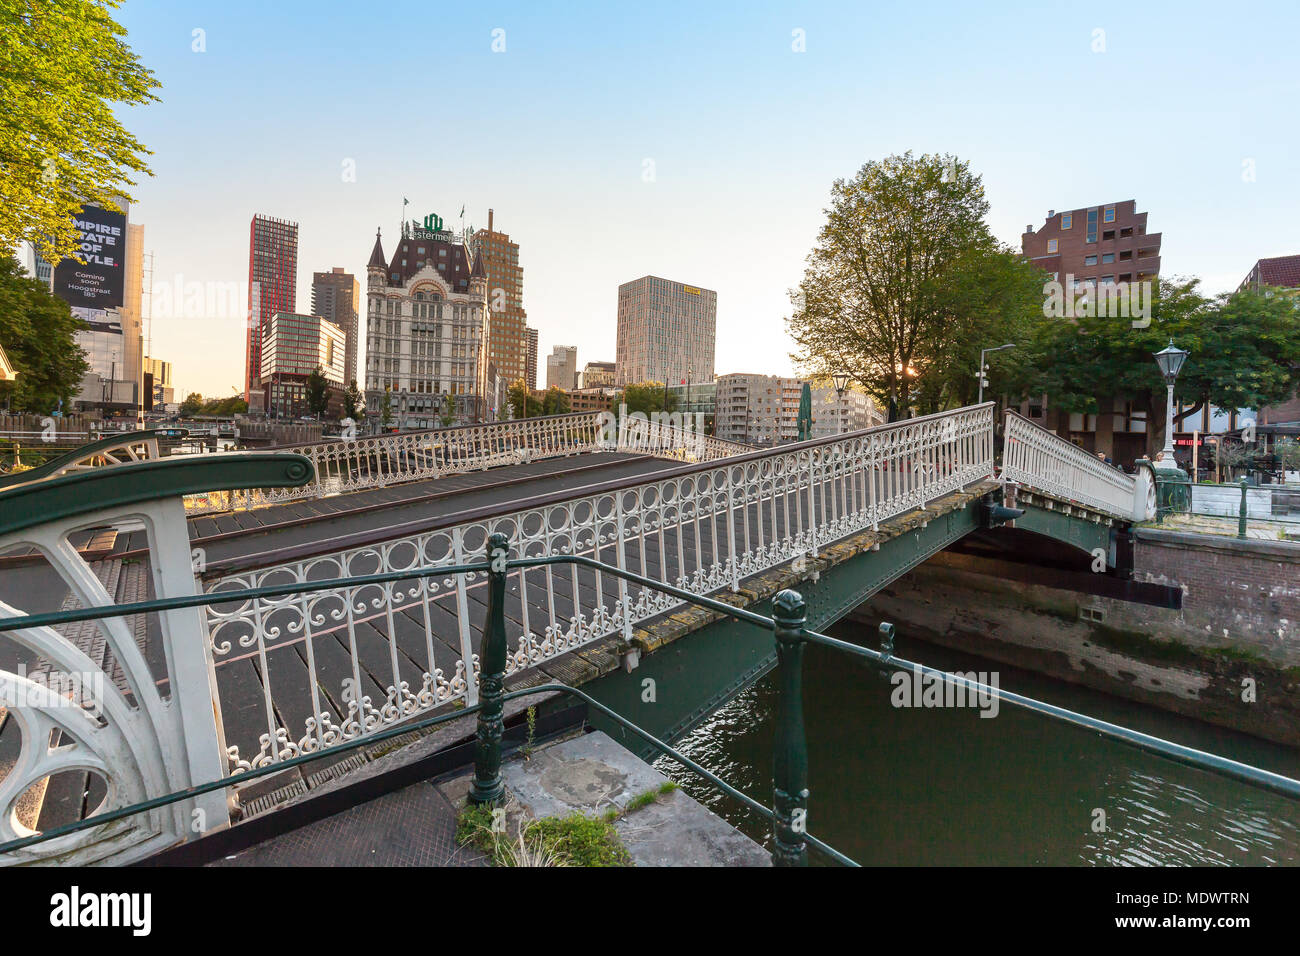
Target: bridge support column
{"x":790,"y":763}
{"x":488,"y":786}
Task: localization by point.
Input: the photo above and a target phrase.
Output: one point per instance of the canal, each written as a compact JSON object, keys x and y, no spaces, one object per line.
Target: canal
{"x":917,"y":786}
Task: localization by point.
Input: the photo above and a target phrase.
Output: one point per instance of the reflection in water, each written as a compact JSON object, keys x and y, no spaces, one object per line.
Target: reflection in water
{"x":916,"y":786}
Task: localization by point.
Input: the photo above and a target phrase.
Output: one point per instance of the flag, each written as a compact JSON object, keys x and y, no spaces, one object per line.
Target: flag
{"x":462,"y":212}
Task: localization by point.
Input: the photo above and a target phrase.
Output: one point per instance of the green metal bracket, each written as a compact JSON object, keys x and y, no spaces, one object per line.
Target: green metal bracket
{"x":85,"y":492}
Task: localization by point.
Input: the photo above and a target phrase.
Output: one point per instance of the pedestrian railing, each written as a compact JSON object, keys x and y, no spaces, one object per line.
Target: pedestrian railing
{"x":1034,"y":456}
{"x":318,"y":658}
{"x":376,"y":461}
{"x":143,"y":816}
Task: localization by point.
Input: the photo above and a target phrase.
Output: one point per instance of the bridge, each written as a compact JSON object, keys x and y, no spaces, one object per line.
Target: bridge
{"x":244,"y":615}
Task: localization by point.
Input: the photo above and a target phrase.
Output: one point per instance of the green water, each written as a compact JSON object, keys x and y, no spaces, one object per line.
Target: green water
{"x":934,"y":786}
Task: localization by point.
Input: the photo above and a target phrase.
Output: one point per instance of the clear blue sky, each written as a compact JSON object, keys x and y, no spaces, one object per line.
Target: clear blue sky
{"x":746,"y":136}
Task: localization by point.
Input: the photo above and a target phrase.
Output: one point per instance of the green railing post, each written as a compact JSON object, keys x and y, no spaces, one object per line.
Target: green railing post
{"x":790,"y":766}
{"x":488,"y":787}
{"x":1243,"y":510}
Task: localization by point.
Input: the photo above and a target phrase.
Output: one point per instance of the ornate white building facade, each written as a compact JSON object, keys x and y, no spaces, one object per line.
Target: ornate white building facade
{"x":426,"y":329}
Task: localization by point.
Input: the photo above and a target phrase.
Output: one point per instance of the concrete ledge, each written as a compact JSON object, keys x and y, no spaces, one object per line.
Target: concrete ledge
{"x":1283,"y":550}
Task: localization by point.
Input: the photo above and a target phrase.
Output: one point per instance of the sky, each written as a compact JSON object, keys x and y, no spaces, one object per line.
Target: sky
{"x":693,"y":141}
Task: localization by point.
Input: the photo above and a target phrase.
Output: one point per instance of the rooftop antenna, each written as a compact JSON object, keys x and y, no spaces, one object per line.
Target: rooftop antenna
{"x":405,"y":202}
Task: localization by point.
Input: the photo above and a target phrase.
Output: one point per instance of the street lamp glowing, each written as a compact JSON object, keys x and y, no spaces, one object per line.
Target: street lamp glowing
{"x":1170,"y":360}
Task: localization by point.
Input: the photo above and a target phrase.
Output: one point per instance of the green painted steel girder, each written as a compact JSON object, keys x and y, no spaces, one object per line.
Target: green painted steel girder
{"x":1074,"y":530}
{"x":85,"y":492}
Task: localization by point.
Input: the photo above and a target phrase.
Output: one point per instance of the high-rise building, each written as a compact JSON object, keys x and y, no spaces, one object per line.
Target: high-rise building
{"x":666,"y":332}
{"x":272,"y":287}
{"x":530,"y":367}
{"x":596,"y":375}
{"x":507,"y":326}
{"x":562,"y":367}
{"x":1096,"y":246}
{"x":426,"y":330}
{"x":294,"y":346}
{"x":336,"y":297}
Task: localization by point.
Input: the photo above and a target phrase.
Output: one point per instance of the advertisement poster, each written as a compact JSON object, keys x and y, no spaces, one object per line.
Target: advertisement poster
{"x":96,"y":284}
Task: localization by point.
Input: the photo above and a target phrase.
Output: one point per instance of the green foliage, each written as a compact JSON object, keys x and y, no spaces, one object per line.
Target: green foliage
{"x":1242,"y":351}
{"x":38,"y":333}
{"x":193,"y":405}
{"x":647,"y":398}
{"x":63,"y":67}
{"x":386,"y":407}
{"x":318,"y":391}
{"x":526,"y":405}
{"x":581,"y":840}
{"x":353,"y":401}
{"x":906,"y":283}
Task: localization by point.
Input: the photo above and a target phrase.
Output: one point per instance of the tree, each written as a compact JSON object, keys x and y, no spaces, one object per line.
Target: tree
{"x":522,"y":401}
{"x":318,"y":391}
{"x":386,"y":408}
{"x":38,"y":332}
{"x":892,"y":293}
{"x":555,"y":401}
{"x":63,"y":66}
{"x":193,"y":405}
{"x":647,"y":398}
{"x":354,"y":402}
{"x":1242,"y":347}
{"x":224,"y":407}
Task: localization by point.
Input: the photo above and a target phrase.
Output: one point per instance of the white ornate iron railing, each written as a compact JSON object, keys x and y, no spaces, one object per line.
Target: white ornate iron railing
{"x":653,"y":436}
{"x":344,"y":465}
{"x":312,"y":670}
{"x":1042,"y":460}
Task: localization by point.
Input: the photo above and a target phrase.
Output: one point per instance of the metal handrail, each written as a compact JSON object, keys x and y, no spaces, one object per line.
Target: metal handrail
{"x":789,"y":815}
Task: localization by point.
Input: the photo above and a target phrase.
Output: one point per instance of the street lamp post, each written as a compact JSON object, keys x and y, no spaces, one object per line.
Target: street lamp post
{"x":984,"y":368}
{"x":841,"y":382}
{"x":1170,"y":360}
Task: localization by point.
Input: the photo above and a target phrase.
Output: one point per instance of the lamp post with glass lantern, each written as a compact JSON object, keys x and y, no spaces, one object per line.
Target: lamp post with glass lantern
{"x":841,"y":382}
{"x":1170,"y":360}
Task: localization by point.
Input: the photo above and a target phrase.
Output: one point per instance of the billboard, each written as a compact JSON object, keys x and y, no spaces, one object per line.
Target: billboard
{"x":98,"y":283}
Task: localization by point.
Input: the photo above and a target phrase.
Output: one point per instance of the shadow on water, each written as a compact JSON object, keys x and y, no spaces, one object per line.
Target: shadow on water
{"x":934,"y":786}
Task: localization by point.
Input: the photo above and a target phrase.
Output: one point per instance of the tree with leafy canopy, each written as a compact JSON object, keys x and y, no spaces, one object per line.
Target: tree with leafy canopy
{"x":193,"y":405}
{"x":318,"y":391}
{"x":906,"y":283}
{"x":65,"y":69}
{"x":1242,"y":348}
{"x":646,"y":398}
{"x":522,"y":400}
{"x":39,"y":334}
{"x":386,"y":408}
{"x":353,"y":401}
{"x":555,"y":401}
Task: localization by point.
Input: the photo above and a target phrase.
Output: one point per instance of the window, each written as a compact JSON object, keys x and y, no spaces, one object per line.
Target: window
{"x":1110,"y":214}
{"x":1125,"y":233}
{"x":1092,"y":225}
{"x":1108,"y":234}
{"x":1089,"y":260}
{"x":1127,"y":254}
{"x":1107,"y":257}
{"x":1067,"y":220}
{"x":1051,"y":246}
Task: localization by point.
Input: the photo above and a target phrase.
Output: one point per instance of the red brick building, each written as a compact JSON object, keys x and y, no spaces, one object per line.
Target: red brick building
{"x":1097,"y":246}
